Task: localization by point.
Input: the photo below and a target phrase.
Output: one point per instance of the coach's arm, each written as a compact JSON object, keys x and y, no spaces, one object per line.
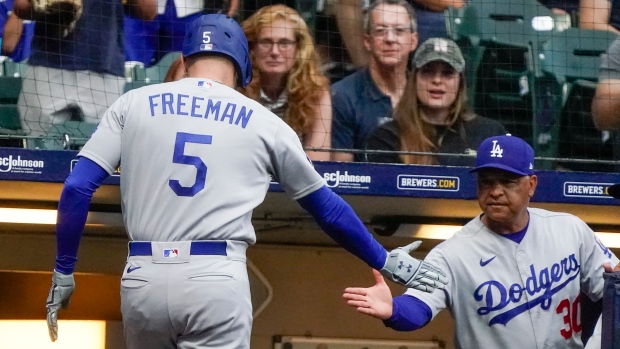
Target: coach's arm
{"x":606,"y":105}
{"x":141,"y":9}
{"x":606,"y":102}
{"x":145,"y":10}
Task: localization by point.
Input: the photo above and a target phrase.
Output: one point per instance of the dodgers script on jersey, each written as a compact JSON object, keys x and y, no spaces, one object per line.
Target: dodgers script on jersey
{"x":213,"y":145}
{"x":526,"y":295}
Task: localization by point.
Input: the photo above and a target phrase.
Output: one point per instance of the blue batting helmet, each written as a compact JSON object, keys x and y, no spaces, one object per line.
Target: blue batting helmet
{"x":217,"y":33}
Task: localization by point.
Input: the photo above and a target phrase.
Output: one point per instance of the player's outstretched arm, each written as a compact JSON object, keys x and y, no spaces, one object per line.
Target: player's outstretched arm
{"x":340,"y":222}
{"x":73,"y":206}
{"x":375,"y":301}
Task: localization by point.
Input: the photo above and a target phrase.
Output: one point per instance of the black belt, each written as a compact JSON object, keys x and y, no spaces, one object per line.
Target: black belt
{"x":214,"y":248}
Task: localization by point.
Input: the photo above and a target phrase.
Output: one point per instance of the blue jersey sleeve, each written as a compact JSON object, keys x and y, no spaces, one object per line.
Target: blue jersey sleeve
{"x":409,"y":314}
{"x":73,"y":206}
{"x":338,"y":220}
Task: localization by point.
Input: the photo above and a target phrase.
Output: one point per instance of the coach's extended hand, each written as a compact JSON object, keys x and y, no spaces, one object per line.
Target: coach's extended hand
{"x":60,"y":295}
{"x":402,"y":268}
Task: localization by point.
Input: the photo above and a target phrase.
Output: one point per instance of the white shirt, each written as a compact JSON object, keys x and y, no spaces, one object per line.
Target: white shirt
{"x":184,"y":7}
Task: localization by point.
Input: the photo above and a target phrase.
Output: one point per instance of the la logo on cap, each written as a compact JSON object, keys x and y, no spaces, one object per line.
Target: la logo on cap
{"x":496,"y":151}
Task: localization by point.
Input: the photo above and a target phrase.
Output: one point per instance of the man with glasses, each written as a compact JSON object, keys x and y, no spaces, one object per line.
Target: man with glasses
{"x":361,"y":100}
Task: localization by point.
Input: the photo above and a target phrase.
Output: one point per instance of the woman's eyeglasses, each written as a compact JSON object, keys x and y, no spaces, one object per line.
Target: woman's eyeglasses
{"x":283,"y":44}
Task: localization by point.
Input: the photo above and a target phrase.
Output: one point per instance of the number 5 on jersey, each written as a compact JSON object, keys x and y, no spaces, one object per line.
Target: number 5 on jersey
{"x":179,"y":157}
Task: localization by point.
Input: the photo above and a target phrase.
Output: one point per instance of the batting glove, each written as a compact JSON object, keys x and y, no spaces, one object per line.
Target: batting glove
{"x":59,"y":297}
{"x":402,"y":268}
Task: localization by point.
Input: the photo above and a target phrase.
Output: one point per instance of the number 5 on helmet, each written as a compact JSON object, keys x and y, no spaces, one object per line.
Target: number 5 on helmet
{"x":402,"y":268}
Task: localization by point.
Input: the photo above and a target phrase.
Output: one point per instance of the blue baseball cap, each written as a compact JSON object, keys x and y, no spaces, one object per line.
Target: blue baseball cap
{"x":507,"y":153}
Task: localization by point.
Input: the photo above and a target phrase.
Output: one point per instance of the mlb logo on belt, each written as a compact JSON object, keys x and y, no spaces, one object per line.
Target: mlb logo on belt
{"x":171,"y":252}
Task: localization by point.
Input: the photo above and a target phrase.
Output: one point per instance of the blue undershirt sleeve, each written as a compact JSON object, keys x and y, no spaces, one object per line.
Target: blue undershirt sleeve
{"x":408,"y":314}
{"x":339,"y":221}
{"x":73,"y":207}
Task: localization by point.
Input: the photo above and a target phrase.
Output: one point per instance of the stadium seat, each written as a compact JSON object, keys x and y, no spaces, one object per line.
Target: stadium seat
{"x":500,"y":40}
{"x":10,"y":80}
{"x":10,"y":86}
{"x":137,"y":75}
{"x":9,"y":118}
{"x":569,"y":67}
{"x":10,"y":126}
{"x":157,"y":73}
{"x":307,"y":11}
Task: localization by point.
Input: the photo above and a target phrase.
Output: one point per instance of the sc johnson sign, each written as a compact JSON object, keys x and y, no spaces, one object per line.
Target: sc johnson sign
{"x":346,"y":180}
{"x":19,"y":165}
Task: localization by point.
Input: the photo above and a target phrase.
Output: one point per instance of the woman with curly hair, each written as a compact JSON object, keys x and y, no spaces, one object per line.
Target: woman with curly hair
{"x":433,"y":117}
{"x":287,"y":78}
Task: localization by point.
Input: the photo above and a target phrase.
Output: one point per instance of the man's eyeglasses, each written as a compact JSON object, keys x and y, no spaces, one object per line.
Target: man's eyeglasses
{"x":283,"y":44}
{"x":380,"y":32}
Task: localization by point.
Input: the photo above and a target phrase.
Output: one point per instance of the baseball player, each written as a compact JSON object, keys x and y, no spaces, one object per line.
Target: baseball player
{"x":197,"y":158}
{"x":516,"y":272}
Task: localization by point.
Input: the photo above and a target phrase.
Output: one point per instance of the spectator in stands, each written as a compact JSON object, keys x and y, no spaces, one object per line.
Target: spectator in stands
{"x":433,"y":116}
{"x":600,"y":15}
{"x":15,"y":32}
{"x":336,"y":63}
{"x":251,"y":6}
{"x":287,"y":78}
{"x":606,"y":102}
{"x":431,"y":23}
{"x":149,"y":41}
{"x":350,"y":20}
{"x":430,"y":17}
{"x":82,"y":68}
{"x":363,"y":98}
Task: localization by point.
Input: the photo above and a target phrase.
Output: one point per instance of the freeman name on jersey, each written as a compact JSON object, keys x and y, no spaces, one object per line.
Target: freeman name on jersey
{"x":199,"y":107}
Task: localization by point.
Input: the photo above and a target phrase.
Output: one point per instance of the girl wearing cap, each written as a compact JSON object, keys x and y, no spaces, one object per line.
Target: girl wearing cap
{"x":433,"y":115}
{"x":287,"y":79}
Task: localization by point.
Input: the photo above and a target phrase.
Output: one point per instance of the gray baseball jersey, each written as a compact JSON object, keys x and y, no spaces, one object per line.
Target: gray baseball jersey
{"x":196,"y":158}
{"x":505,"y":294}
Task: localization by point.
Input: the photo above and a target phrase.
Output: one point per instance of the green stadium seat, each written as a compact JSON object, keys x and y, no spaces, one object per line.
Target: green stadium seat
{"x":500,"y":40}
{"x":157,"y":73}
{"x":137,"y":75}
{"x":9,"y":89}
{"x":9,"y":119}
{"x":307,"y":11}
{"x":10,"y":80}
{"x":10,"y":86}
{"x":569,"y":67}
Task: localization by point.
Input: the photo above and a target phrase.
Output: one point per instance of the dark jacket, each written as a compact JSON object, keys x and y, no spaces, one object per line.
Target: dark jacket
{"x":461,"y":138}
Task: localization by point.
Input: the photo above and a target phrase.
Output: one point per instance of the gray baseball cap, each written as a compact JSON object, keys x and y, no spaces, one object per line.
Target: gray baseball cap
{"x":439,"y":49}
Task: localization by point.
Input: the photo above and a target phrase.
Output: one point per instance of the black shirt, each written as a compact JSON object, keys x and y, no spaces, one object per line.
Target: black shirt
{"x":386,"y":137}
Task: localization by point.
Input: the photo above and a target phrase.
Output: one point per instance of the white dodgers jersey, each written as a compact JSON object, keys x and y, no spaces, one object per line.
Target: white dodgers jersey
{"x":196,"y":158}
{"x":504,"y":294}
